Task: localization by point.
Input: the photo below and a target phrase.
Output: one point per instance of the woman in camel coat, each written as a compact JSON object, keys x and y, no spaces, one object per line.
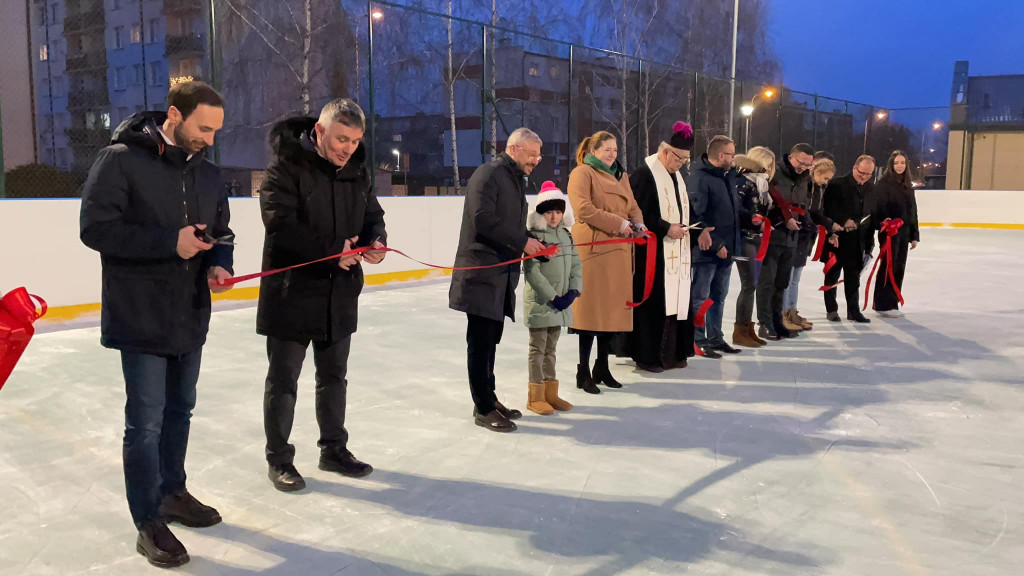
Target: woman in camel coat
{"x":604,"y":206}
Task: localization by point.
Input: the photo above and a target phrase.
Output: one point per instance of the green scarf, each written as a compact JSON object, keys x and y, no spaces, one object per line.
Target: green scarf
{"x":596,"y":164}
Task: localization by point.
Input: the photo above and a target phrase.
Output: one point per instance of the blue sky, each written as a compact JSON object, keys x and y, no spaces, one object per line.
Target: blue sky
{"x":894,"y":53}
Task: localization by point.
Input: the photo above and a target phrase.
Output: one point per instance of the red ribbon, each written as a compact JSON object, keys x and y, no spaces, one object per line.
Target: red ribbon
{"x":822,"y":233}
{"x":549,"y":251}
{"x":890,"y":227}
{"x":832,"y":261}
{"x":699,"y":321}
{"x":766,"y":235}
{"x":17,"y":313}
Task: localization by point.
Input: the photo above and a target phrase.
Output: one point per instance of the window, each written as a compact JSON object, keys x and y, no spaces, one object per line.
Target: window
{"x":42,"y":15}
{"x":117,"y":4}
{"x":138,"y":79}
{"x":44,"y":53}
{"x":105,"y":117}
{"x":62,"y":157}
{"x":120,"y":78}
{"x":136,"y":33}
{"x":90,"y":120}
{"x":155,"y":74}
{"x":154,"y":29}
{"x":534,"y":71}
{"x":118,"y":36}
{"x":54,"y":16}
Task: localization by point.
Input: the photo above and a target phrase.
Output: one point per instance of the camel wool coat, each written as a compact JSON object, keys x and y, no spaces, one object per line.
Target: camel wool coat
{"x":600,"y":204}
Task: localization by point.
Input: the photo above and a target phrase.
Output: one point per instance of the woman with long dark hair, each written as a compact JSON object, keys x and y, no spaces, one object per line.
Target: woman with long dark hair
{"x":894,"y":198}
{"x":605,"y":208}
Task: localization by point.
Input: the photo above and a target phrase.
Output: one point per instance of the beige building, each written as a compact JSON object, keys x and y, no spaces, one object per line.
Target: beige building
{"x":986,"y":132}
{"x":16,"y":87}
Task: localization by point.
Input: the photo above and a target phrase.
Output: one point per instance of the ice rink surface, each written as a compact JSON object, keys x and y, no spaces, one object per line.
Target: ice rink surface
{"x":892,"y":448}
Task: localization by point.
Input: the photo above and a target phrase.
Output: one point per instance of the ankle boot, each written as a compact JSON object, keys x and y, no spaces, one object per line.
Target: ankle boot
{"x":584,"y":381}
{"x":803,"y":322}
{"x":551,"y":395}
{"x":602,"y":375}
{"x":752,"y":332}
{"x":535,"y":401}
{"x":789,"y":322}
{"x":741,"y":337}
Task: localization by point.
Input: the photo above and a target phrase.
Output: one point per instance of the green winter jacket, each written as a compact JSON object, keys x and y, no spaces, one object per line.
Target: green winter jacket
{"x":545,"y":280}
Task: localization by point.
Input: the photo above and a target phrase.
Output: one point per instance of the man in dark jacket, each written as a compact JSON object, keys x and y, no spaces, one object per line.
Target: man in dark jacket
{"x":792,"y":181}
{"x":714,"y":203}
{"x":317,"y":201}
{"x":847,"y":203}
{"x":493,"y":231}
{"x":154,"y":208}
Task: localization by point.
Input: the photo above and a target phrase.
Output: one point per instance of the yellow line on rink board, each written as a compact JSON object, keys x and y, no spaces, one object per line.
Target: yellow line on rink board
{"x":63,"y":314}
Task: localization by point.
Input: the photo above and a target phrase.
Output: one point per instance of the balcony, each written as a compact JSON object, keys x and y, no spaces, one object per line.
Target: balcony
{"x":86,"y":99}
{"x":185,"y":46}
{"x":82,"y":22}
{"x":86,"y":62}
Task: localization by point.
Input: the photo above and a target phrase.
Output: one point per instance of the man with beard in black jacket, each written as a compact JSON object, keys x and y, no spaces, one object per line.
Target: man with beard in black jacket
{"x":847,"y":201}
{"x":154,"y":208}
{"x":317,"y":201}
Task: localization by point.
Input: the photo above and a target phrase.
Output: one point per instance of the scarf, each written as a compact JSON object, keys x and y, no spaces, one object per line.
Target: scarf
{"x":595,"y":163}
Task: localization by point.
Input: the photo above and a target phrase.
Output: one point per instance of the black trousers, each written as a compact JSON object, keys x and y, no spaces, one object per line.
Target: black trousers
{"x":482,"y":338}
{"x":773,"y":281}
{"x":849,"y":263}
{"x":286,"y":358}
{"x":885,"y":296}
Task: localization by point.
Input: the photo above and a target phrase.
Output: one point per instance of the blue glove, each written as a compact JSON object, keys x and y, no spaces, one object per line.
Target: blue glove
{"x":564,"y":301}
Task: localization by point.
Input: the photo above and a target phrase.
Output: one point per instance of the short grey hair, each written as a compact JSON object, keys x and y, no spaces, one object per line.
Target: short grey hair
{"x":343,"y":111}
{"x":521,"y":135}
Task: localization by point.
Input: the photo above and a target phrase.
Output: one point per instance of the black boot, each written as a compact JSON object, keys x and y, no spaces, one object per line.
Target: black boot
{"x":286,"y":478}
{"x":159,"y":546}
{"x":856,"y":316}
{"x":834,"y":317}
{"x":602,"y":375}
{"x":340,"y":460}
{"x":584,"y":381}
{"x":510,"y":413}
{"x":780,"y":328}
{"x":183,"y":508}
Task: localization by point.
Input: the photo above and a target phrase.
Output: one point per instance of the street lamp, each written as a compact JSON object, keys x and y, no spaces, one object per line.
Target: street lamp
{"x":880,"y":115}
{"x":377,"y":15}
{"x":372,"y":14}
{"x":935,"y":128}
{"x":398,"y":158}
{"x":748,"y":110}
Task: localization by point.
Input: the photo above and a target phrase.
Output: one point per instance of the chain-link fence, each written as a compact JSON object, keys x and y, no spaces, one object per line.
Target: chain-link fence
{"x":441,"y":92}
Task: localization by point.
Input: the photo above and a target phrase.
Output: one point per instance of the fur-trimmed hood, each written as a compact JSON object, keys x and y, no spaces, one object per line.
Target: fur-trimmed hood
{"x":536,"y":221}
{"x":744,"y":163}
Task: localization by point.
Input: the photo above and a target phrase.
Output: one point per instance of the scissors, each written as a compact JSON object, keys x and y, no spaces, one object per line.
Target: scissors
{"x":226,"y":240}
{"x":694,"y":226}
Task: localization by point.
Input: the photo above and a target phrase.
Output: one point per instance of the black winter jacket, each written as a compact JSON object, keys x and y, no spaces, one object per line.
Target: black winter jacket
{"x":139,"y":194}
{"x":714,"y":202}
{"x":845,"y":200}
{"x":893,"y":200}
{"x":493,"y":231}
{"x":794,"y":189}
{"x":310,"y":207}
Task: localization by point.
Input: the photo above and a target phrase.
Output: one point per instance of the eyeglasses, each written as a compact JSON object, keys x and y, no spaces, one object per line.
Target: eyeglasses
{"x":683,"y":159}
{"x":529,"y":155}
{"x":862,"y":173}
{"x":805,"y":165}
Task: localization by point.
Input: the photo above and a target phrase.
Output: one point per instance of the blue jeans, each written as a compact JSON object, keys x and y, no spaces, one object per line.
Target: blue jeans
{"x":792,"y":292}
{"x":161,"y":394}
{"x":710,"y":280}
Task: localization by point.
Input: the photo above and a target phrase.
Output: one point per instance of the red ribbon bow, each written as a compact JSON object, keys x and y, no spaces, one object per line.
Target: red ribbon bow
{"x":17,"y":313}
{"x":890,"y":227}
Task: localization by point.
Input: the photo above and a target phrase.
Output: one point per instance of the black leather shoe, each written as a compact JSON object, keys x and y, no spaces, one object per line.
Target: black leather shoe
{"x":834,"y":317}
{"x":784,"y":332}
{"x":342,"y":461}
{"x":858,"y":317}
{"x":510,"y":413}
{"x":183,"y":508}
{"x":649,"y":368}
{"x":723,"y":347}
{"x":494,"y":421}
{"x":286,"y":478}
{"x":709,"y":352}
{"x":602,"y":375}
{"x":584,"y":381}
{"x":159,"y":546}
{"x":768,"y":333}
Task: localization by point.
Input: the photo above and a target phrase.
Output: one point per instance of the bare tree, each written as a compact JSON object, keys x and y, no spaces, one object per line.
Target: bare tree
{"x":450,"y":79}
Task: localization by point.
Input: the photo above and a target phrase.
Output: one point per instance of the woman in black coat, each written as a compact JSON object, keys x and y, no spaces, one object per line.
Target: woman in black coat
{"x":894,"y":198}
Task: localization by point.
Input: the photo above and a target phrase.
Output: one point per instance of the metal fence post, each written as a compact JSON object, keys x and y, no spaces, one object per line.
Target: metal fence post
{"x":3,"y":166}
{"x":640,"y":114}
{"x":483,"y":95}
{"x":814,"y":139}
{"x":369,"y":74}
{"x":568,"y":141}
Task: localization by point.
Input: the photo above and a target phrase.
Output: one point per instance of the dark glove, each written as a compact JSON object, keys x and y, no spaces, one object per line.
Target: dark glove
{"x":564,"y":301}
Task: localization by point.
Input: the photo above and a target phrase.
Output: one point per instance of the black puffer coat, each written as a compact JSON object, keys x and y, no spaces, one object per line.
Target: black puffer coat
{"x":139,"y":194}
{"x":309,"y":208}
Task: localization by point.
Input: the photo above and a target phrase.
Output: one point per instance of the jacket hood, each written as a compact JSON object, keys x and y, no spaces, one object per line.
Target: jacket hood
{"x":536,"y":221}
{"x":744,"y":163}
{"x":141,"y":130}
{"x":705,"y":165}
{"x":295,"y":139}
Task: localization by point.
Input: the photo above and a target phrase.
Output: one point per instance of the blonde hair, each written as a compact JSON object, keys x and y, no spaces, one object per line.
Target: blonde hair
{"x":823,"y":165}
{"x":764,"y":157}
{"x":591,"y":143}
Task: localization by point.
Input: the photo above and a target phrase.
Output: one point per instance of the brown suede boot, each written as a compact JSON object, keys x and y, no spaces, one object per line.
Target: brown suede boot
{"x":803,"y":322}
{"x":741,"y":337}
{"x":752,"y":332}
{"x":551,"y":395}
{"x":536,"y":402}
{"x":789,"y":323}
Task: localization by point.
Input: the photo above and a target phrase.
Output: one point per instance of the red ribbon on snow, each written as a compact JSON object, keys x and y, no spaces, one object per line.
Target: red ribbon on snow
{"x":822,"y":233}
{"x":832,"y":261}
{"x":547,"y":252}
{"x":17,"y":313}
{"x":700,"y":320}
{"x":890,"y":227}
{"x":766,"y":235}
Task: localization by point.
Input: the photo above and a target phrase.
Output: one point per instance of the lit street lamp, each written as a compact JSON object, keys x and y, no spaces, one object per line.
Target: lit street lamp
{"x":748,"y":110}
{"x":935,"y":128}
{"x":881,"y":115}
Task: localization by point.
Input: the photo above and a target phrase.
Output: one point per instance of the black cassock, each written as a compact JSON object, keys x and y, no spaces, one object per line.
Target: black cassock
{"x":657,"y":339}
